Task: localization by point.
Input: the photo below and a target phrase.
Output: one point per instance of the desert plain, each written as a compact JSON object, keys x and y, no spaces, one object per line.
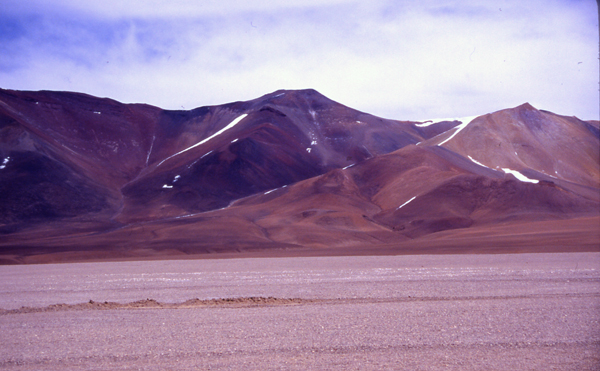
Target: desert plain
{"x":415,"y":312}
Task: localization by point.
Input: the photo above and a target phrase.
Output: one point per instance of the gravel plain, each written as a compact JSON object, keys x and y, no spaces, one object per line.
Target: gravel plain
{"x":420,"y":312}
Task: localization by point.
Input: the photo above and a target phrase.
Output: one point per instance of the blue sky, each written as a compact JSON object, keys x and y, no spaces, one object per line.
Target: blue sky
{"x":405,"y":60}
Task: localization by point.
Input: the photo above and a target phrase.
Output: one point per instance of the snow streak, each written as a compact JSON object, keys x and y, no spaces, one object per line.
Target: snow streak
{"x":404,"y":204}
{"x":477,"y":162}
{"x":150,"y":150}
{"x":232,"y":124}
{"x":4,"y":163}
{"x":520,"y":176}
{"x":425,"y":123}
{"x":457,"y":128}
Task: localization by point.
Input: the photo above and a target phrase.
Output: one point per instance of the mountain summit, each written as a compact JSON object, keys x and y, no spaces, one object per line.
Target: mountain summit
{"x":85,"y":177}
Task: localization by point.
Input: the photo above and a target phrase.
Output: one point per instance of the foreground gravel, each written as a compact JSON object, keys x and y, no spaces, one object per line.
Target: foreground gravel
{"x":477,"y":312}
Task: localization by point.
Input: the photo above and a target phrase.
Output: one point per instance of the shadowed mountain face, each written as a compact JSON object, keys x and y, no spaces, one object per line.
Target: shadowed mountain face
{"x":289,"y":169}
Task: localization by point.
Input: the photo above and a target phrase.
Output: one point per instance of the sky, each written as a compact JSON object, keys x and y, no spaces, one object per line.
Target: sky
{"x":404,"y":60}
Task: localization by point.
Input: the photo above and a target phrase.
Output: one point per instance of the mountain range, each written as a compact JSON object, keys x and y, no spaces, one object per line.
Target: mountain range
{"x":289,"y":173}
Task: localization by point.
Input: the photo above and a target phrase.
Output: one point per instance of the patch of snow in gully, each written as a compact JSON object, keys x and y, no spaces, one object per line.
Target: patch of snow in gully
{"x":204,"y":155}
{"x":97,"y":112}
{"x":176,"y":178}
{"x":232,"y":124}
{"x":150,"y":150}
{"x":235,"y":140}
{"x":436,"y":121}
{"x":279,"y":95}
{"x":4,"y":163}
{"x":477,"y":162}
{"x":167,"y":186}
{"x":308,"y":150}
{"x":349,"y":166}
{"x":458,"y":129}
{"x":425,"y":123}
{"x":406,"y":203}
{"x":520,"y":176}
{"x":275,"y":189}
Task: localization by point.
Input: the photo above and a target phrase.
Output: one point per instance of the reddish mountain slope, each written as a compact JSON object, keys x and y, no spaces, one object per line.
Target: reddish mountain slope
{"x":524,"y":138}
{"x":145,"y":163}
{"x":280,"y":139}
{"x":291,"y":169}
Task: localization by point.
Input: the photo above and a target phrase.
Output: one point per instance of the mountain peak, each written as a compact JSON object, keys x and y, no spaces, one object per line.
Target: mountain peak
{"x":296,"y":93}
{"x":525,"y":107}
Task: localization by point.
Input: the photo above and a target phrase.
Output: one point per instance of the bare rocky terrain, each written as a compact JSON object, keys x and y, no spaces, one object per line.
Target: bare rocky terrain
{"x":418,"y":312}
{"x":291,"y":173}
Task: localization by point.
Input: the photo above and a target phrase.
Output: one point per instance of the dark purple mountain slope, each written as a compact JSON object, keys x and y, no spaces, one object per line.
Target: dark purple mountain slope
{"x":142,"y":163}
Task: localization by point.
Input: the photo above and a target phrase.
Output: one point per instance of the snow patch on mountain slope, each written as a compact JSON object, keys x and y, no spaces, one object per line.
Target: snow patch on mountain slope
{"x":406,"y":203}
{"x":4,"y":163}
{"x":520,"y":176}
{"x":457,"y":129}
{"x":426,"y":123}
{"x":232,"y":124}
{"x":477,"y":162}
{"x":150,"y":150}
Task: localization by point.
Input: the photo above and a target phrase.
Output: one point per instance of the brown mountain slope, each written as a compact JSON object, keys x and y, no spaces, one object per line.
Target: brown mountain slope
{"x":142,"y":163}
{"x":278,"y":139}
{"x":369,"y":205}
{"x":89,"y":177}
{"x":523,"y":138}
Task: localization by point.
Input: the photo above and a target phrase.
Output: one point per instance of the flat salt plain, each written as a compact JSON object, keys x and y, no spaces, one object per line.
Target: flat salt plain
{"x":420,"y":312}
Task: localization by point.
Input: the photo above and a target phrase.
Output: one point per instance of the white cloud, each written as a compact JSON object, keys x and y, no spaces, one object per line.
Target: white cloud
{"x":394,"y":59}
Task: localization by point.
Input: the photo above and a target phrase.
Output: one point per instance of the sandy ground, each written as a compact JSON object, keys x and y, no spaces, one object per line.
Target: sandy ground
{"x":443,"y":312}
